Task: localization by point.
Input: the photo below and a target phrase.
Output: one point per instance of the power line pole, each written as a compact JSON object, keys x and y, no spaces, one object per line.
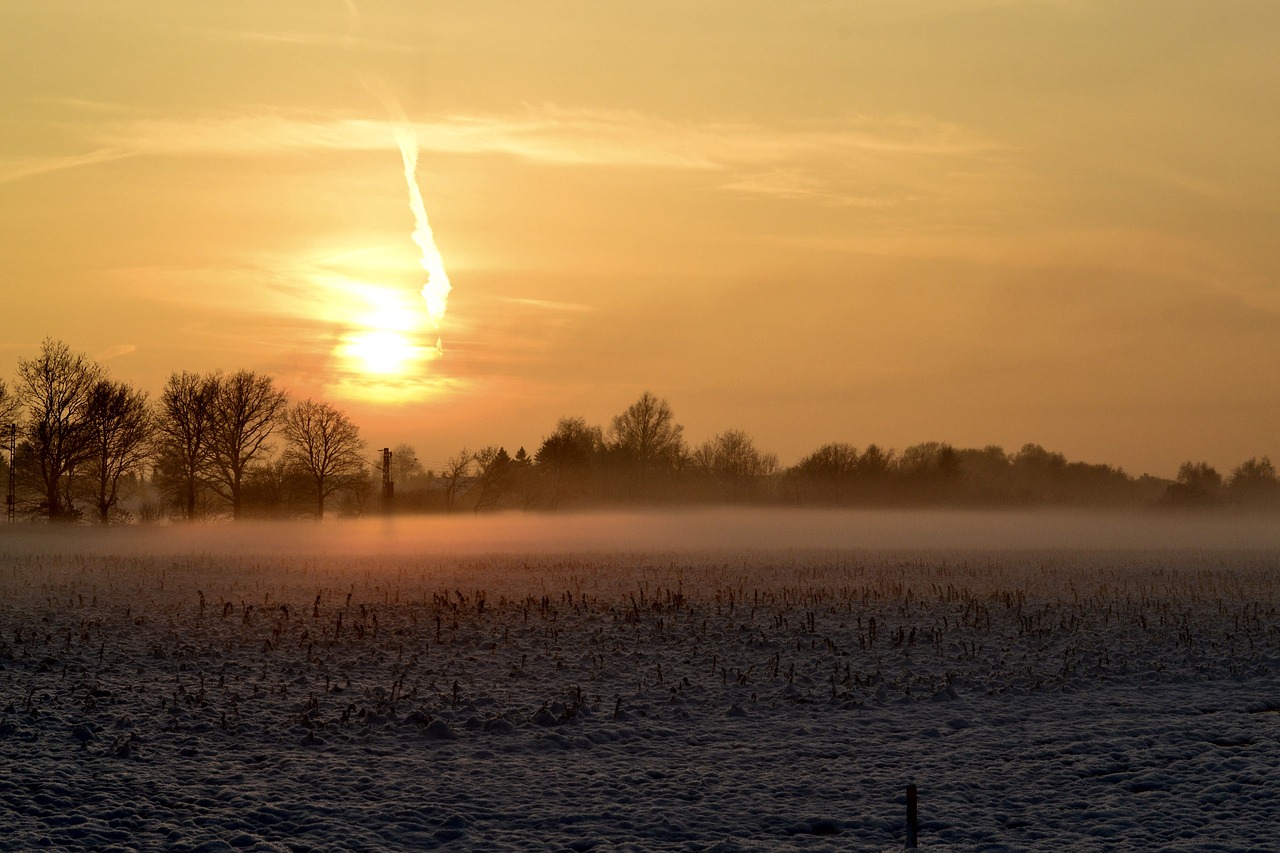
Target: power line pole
{"x":388,"y":487}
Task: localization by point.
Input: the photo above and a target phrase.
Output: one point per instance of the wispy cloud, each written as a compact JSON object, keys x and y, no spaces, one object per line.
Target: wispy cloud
{"x":115,"y":352}
{"x":561,"y":136}
{"x":795,"y":183}
{"x":17,"y":168}
{"x":889,"y":155}
{"x":291,"y":38}
{"x":295,"y":38}
{"x":550,"y":305}
{"x":1132,"y":251}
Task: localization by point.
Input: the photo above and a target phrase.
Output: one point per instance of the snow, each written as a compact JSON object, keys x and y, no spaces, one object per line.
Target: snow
{"x":613,"y":684}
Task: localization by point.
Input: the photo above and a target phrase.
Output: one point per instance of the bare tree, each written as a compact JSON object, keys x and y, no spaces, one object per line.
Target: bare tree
{"x":120,"y":424}
{"x":731,"y":463}
{"x":184,"y":432}
{"x":456,"y":470}
{"x":9,"y":408}
{"x":9,"y":411}
{"x":358,"y":496}
{"x":646,"y":434}
{"x":833,"y":462}
{"x":55,"y":387}
{"x":274,"y":488}
{"x":733,"y":454}
{"x":405,"y":466}
{"x":876,"y":463}
{"x":326,"y":445}
{"x":826,"y":474}
{"x":246,"y":411}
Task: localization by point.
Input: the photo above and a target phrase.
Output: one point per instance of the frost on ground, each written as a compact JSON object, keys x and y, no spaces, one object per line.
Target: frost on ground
{"x":638,"y":700}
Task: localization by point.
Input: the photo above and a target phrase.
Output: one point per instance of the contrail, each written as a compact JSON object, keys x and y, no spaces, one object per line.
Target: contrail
{"x":436,"y":291}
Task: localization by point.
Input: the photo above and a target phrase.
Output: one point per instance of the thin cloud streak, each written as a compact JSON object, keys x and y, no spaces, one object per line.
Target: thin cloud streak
{"x":562,"y":137}
{"x":290,"y":38}
{"x":17,"y":168}
{"x":550,"y":305}
{"x":795,"y":184}
{"x":1134,"y":250}
{"x":115,"y":352}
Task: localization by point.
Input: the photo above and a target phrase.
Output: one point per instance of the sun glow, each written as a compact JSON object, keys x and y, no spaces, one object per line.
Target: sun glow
{"x":385,"y":337}
{"x":381,"y":352}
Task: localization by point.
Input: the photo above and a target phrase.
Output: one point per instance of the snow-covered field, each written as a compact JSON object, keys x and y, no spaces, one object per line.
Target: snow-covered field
{"x":704,"y":681}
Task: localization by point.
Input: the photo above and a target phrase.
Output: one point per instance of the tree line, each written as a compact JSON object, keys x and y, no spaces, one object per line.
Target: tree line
{"x":216,"y":444}
{"x":84,"y":442}
{"x":642,"y":458}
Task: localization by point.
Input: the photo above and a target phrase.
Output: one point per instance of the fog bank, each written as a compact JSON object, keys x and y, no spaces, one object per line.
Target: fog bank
{"x":670,"y":530}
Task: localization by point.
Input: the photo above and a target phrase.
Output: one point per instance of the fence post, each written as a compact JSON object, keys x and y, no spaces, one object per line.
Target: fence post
{"x":913,"y":827}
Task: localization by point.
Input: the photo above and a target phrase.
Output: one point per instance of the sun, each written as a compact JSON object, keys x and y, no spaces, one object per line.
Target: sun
{"x":383,"y":339}
{"x":381,"y":352}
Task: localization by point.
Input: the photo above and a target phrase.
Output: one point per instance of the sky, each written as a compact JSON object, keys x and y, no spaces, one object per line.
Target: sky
{"x":972,"y":221}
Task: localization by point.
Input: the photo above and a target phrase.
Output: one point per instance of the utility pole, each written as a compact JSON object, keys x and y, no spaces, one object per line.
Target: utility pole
{"x":11,"y":501}
{"x":388,"y":487}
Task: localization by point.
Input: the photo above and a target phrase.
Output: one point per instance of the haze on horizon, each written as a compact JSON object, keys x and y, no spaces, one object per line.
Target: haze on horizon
{"x":971,"y":221}
{"x":646,"y":536}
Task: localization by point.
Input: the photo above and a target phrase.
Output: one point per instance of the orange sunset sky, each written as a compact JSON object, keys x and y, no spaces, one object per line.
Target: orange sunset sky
{"x":973,"y":221}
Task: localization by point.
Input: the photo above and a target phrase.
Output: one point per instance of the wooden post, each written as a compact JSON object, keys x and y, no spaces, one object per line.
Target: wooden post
{"x":913,"y":827}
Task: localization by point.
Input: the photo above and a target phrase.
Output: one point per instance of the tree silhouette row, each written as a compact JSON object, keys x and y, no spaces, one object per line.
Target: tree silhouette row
{"x":218,"y":444}
{"x":85,"y":441}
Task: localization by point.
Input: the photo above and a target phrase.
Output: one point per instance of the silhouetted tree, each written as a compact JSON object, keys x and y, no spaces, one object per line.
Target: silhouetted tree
{"x":733,"y":453}
{"x":1254,"y":484}
{"x":646,"y":441}
{"x":55,"y":388}
{"x":10,"y":408}
{"x":826,"y":474}
{"x":275,"y":488}
{"x":184,"y":438}
{"x":1198,"y":484}
{"x":324,"y":444}
{"x":874,"y":466}
{"x":493,"y":466}
{"x":1095,"y":484}
{"x":732,"y":461}
{"x":520,"y":476}
{"x":457,"y":469}
{"x":573,"y":444}
{"x":247,"y":410}
{"x":1038,"y":474}
{"x":647,"y":434}
{"x":986,"y":474}
{"x":360,"y":492}
{"x":566,"y":458}
{"x":9,"y":411}
{"x":930,"y":472}
{"x":405,"y":467}
{"x":120,"y":428}
{"x":928,"y":459}
{"x":832,"y":462}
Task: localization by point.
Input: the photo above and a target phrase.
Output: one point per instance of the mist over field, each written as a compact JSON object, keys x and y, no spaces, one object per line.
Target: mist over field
{"x":723,"y":680}
{"x":668,"y":531}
